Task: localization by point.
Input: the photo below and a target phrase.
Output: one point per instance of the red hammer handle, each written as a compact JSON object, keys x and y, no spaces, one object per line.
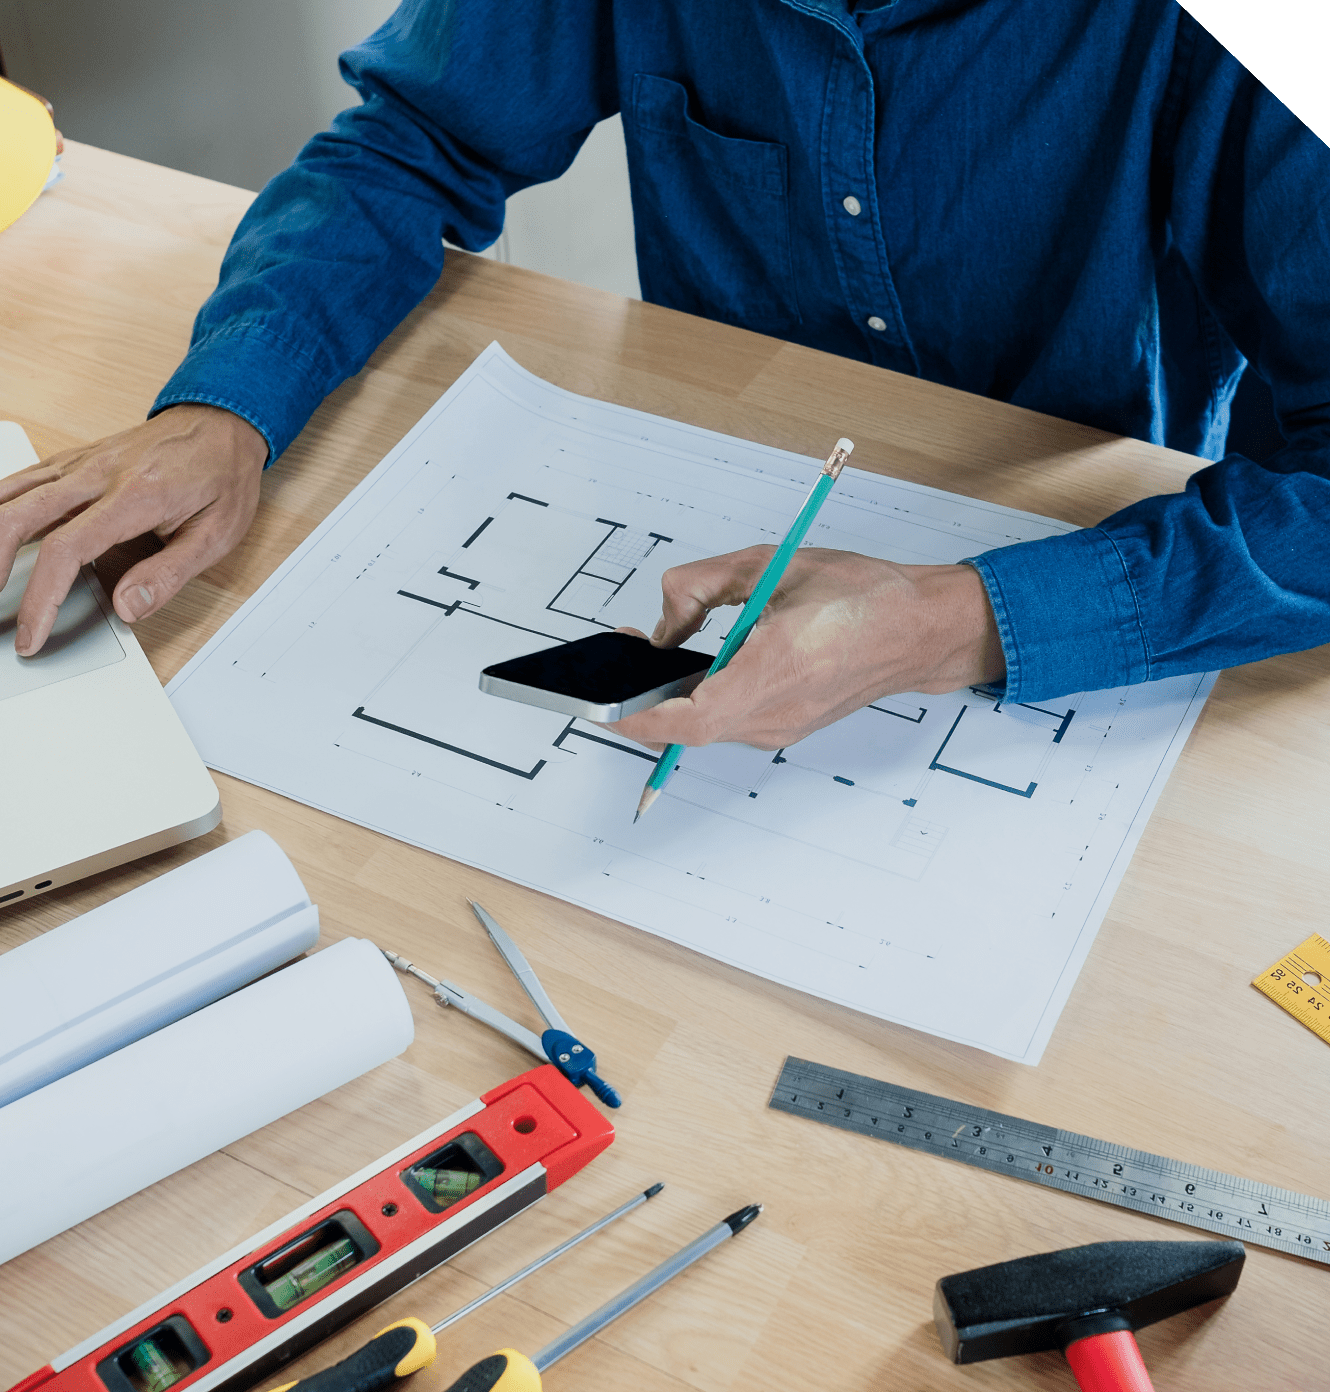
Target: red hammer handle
{"x":1109,"y":1363}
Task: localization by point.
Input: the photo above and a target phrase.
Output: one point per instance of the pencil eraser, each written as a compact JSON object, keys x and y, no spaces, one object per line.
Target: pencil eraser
{"x":846,"y":445}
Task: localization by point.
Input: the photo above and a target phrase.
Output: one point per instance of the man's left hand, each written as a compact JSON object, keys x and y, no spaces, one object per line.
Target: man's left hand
{"x":840,"y":631}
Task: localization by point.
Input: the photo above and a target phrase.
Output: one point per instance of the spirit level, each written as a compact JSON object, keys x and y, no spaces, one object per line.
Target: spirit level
{"x":270,"y":1299}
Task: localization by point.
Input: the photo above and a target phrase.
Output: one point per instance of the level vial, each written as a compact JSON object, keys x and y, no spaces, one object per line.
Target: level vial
{"x":448,"y":1186}
{"x":155,"y":1370}
{"x":312,"y":1274}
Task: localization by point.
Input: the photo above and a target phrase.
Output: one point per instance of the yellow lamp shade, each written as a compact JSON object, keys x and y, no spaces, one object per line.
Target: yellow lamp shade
{"x":27,"y":150}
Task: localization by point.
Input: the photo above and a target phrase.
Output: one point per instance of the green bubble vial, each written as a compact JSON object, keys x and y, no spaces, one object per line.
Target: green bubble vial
{"x":312,"y":1274}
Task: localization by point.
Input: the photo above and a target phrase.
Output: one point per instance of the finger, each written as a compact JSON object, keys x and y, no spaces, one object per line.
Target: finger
{"x":36,"y":510}
{"x":716,"y":710}
{"x":59,"y":558}
{"x":196,"y":545}
{"x":676,"y":721}
{"x":689,"y":592}
{"x":611,"y":729}
{"x":47,"y":470}
{"x":15,"y":484}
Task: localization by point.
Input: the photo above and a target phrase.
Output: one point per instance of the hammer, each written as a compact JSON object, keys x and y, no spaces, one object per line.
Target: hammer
{"x":1085,"y":1301}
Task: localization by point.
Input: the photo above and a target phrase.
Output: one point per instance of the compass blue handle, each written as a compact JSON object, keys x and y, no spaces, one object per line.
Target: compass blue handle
{"x":577,"y":1063}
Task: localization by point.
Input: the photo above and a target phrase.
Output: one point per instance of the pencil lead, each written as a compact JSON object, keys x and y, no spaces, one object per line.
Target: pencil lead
{"x":649,"y":795}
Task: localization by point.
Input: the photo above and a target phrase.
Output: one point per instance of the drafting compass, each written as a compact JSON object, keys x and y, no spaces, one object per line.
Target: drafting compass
{"x":557,"y":1045}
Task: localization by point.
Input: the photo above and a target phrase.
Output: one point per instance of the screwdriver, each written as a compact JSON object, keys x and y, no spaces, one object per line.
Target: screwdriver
{"x":510,"y":1371}
{"x":407,"y":1345}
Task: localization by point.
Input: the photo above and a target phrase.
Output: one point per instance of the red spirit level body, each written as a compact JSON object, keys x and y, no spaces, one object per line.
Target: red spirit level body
{"x":245,"y":1315}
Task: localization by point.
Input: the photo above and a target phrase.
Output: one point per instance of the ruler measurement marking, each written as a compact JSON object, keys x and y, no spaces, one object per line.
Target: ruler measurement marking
{"x":1173,"y":1189}
{"x":1287,"y":985}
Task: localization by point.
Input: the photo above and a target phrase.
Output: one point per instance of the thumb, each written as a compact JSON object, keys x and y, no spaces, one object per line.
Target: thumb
{"x":689,"y":592}
{"x":145,"y":587}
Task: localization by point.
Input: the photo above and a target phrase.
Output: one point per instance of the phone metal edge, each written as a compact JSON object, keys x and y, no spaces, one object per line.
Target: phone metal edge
{"x":587,"y":710}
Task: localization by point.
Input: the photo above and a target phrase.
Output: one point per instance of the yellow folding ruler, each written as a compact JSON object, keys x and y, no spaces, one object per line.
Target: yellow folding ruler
{"x":1300,"y":983}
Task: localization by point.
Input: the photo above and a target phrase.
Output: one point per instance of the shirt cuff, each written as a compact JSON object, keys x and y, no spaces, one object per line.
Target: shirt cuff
{"x":252,"y":373}
{"x":1066,"y":614}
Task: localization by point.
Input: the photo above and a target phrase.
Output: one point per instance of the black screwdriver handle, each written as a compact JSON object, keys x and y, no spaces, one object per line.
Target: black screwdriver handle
{"x":395,"y":1352}
{"x":505,"y":1371}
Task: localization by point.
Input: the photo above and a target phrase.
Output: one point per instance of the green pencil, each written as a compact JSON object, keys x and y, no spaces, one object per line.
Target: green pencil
{"x":757,"y":601}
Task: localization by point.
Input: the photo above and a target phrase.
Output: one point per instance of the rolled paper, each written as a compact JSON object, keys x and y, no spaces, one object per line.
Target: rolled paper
{"x":172,"y":1097}
{"x":140,"y":961}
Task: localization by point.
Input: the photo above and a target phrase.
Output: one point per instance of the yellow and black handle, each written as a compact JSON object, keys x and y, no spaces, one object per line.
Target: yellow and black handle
{"x":395,"y":1352}
{"x":404,"y":1348}
{"x":505,"y":1371}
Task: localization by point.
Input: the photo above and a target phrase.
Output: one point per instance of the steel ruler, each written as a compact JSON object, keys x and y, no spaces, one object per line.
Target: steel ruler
{"x":1115,"y":1174}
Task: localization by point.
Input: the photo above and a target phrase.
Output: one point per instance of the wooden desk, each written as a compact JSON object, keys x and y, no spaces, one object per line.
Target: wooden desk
{"x":1164,"y":1045}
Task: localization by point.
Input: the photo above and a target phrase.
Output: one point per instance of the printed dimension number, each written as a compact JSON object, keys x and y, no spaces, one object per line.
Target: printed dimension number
{"x":1191,"y":1205}
{"x":1045,"y":1158}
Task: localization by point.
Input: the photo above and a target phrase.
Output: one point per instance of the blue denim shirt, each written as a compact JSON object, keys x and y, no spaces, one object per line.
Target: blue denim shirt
{"x":1086,"y":207}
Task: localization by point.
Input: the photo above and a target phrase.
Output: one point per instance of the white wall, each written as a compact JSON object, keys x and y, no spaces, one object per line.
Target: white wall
{"x":231,"y":89}
{"x":580,"y":226}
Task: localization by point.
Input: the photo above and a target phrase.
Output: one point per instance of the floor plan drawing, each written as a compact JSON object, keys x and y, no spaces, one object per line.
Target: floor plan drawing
{"x":981,"y":754}
{"x":940,"y":861}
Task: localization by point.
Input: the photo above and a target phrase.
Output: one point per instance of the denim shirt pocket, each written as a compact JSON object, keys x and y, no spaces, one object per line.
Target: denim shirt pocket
{"x":711,"y":213}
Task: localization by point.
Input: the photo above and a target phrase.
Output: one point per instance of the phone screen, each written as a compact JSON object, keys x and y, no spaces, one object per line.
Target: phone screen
{"x":603,"y":670}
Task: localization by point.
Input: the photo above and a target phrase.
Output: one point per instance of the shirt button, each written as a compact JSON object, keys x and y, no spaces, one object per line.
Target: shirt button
{"x":875,"y":323}
{"x":852,"y":206}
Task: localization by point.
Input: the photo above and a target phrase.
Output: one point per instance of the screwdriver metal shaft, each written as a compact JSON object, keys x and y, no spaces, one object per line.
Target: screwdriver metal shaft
{"x":639,"y":1290}
{"x":549,"y":1256}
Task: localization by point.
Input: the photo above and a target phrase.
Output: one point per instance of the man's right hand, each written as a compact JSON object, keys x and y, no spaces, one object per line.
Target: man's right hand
{"x":191,"y":475}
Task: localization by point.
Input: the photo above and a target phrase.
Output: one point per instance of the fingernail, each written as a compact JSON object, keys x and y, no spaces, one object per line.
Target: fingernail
{"x":22,"y":640}
{"x":658,"y":632}
{"x":138,"y":600}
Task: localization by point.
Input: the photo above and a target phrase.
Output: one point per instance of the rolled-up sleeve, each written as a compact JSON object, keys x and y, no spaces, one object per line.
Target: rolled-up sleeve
{"x":1066,"y":614}
{"x":1237,"y":566}
{"x":459,"y":110}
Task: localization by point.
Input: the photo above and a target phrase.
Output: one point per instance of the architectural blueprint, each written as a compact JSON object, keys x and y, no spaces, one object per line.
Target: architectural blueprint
{"x":940,"y":861}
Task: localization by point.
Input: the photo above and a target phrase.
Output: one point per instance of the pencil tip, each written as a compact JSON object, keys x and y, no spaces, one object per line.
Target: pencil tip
{"x":649,"y":795}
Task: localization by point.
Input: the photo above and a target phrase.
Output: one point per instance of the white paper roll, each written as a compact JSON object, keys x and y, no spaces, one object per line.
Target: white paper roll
{"x":132,"y":965}
{"x":96,"y":1136}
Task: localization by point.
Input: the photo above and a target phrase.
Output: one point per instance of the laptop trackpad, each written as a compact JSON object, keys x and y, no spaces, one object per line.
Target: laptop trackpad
{"x":81,"y":640}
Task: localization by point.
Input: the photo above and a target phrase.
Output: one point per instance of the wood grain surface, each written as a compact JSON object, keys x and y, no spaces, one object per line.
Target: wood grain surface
{"x":1164,"y":1044}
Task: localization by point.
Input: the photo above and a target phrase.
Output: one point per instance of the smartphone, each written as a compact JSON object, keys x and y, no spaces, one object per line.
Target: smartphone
{"x":604,"y":677}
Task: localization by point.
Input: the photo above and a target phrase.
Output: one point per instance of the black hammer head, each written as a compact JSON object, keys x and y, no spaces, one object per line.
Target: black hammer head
{"x":1027,"y":1305}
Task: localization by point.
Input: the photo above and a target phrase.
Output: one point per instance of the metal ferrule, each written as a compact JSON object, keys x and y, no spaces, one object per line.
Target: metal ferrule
{"x":838,"y":458}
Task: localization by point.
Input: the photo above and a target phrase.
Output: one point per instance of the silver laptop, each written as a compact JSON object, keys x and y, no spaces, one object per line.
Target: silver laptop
{"x":95,"y":767}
